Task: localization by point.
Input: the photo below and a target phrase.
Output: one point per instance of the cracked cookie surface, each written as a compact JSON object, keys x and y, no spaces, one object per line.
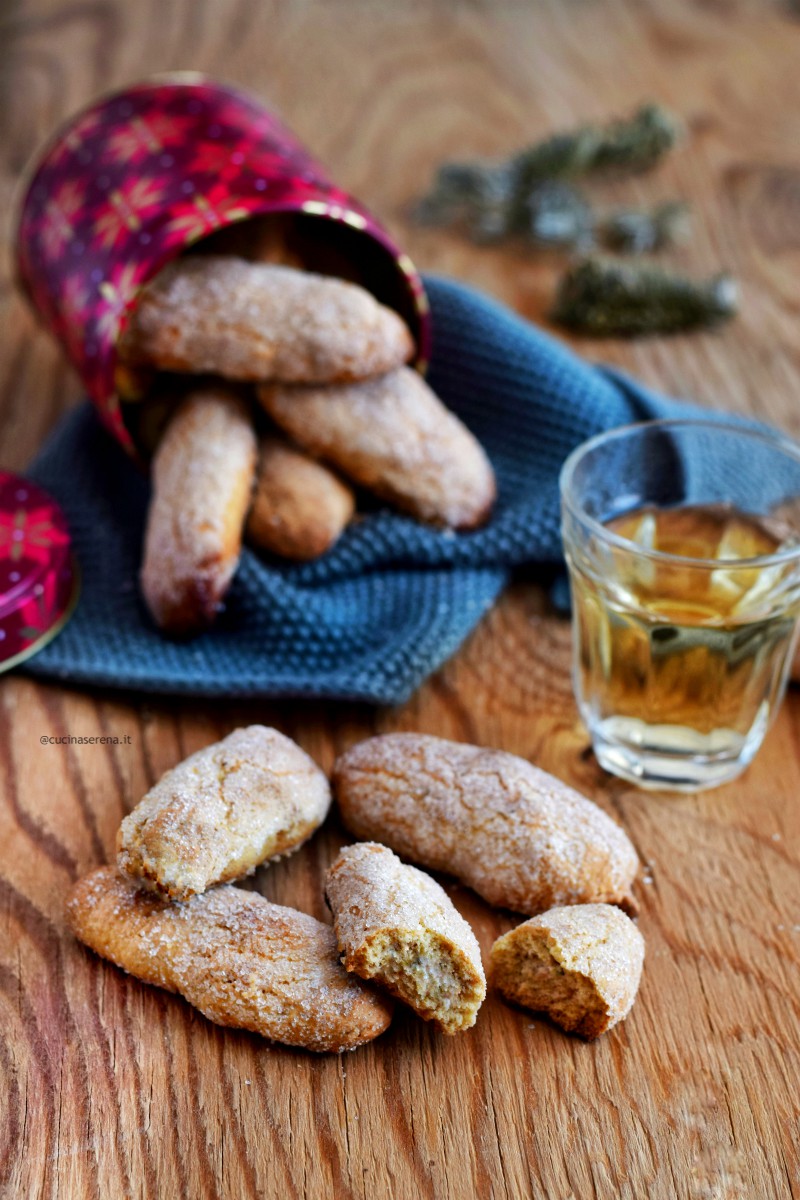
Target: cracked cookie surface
{"x":221,"y":315}
{"x":519,"y":837}
{"x":253,"y":796}
{"x":239,"y":959}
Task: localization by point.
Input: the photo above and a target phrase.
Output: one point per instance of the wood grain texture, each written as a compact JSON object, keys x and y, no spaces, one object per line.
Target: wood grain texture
{"x":111,"y":1089}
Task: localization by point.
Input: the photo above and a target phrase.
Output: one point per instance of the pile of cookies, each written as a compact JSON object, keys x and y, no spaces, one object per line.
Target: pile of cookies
{"x":167,"y":912}
{"x":289,"y":388}
{"x":524,"y":841}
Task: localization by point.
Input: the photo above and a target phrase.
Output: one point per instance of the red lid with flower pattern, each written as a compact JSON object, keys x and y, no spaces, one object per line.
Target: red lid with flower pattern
{"x":38,"y":579}
{"x":132,"y":181}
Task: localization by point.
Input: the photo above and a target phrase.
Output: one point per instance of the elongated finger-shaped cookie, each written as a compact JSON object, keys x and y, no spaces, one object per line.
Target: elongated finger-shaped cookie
{"x":521,"y":838}
{"x":242,"y":320}
{"x":240,"y":960}
{"x":253,"y":796}
{"x":580,"y":964}
{"x":300,"y":508}
{"x":394,"y":436}
{"x":203,"y":473}
{"x":395,"y":925}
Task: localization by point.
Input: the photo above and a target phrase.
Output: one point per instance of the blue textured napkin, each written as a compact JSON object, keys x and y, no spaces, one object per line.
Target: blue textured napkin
{"x":394,"y":598}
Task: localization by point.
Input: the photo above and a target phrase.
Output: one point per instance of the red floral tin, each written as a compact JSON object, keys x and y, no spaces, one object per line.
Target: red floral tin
{"x":38,"y":579}
{"x":140,"y":175}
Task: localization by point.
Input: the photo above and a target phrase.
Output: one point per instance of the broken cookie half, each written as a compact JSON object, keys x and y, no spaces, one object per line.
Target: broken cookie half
{"x":395,"y":925}
{"x":580,"y":964}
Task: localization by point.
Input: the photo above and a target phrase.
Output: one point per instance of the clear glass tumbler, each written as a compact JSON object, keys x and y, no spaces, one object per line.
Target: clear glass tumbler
{"x":683,"y":545}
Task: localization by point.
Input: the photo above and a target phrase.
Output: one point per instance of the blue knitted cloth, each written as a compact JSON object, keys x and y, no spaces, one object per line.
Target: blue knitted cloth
{"x":393,"y":599}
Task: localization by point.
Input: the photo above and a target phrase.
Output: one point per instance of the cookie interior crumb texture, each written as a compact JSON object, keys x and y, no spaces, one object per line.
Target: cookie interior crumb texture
{"x":397,"y":926}
{"x":581,"y":965}
{"x":423,"y":970}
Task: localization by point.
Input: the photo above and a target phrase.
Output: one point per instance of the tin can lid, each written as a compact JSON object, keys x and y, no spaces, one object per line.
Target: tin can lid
{"x":38,"y":576}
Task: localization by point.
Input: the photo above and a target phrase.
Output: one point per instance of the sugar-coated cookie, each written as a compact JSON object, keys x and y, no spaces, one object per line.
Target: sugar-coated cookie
{"x":394,"y":436}
{"x":221,"y":315}
{"x":240,"y":960}
{"x":300,"y":508}
{"x":203,"y":473}
{"x":253,"y":797}
{"x":521,"y":838}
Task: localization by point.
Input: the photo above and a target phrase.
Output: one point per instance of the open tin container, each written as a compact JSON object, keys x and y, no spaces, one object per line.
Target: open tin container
{"x":143,"y":175}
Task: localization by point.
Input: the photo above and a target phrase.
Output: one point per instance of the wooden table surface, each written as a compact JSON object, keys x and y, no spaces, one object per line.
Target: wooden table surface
{"x":111,"y":1089}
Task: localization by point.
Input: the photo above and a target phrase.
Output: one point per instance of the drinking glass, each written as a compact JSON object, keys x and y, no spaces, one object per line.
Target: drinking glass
{"x":685,"y":610}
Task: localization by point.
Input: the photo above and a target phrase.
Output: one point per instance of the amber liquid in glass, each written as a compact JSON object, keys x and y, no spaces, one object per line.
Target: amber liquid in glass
{"x":677,"y":657}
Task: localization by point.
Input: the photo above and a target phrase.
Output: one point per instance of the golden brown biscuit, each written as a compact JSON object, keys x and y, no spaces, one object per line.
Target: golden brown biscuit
{"x":240,"y":960}
{"x":300,"y":508}
{"x":522,"y":839}
{"x":581,"y":965}
{"x":394,"y":436}
{"x":203,"y":474}
{"x":253,"y":796}
{"x":244,"y":320}
{"x":396,"y":926}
